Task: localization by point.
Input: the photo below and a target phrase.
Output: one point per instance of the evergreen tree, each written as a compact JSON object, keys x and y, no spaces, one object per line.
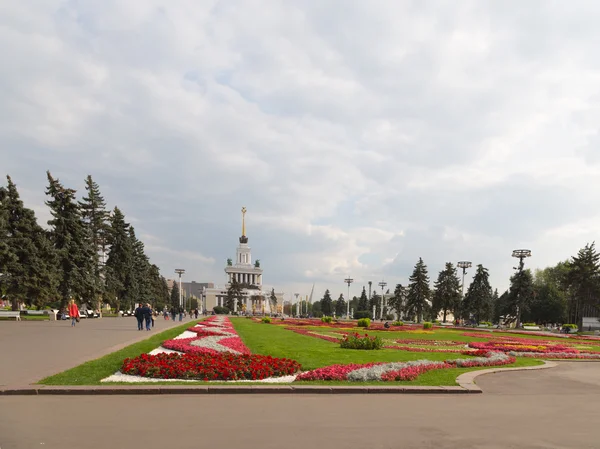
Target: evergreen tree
{"x":119,"y":264}
{"x":327,"y":304}
{"x":234,"y":293}
{"x":520,"y":293}
{"x":363,"y":301}
{"x":273,"y":301}
{"x":175,"y":296}
{"x":29,"y":270}
{"x":584,"y":282}
{"x":418,"y":291}
{"x":478,"y":300}
{"x":398,"y":301}
{"x":446,"y":296}
{"x":6,"y":255}
{"x":376,"y":302}
{"x":95,"y":217}
{"x":340,"y":306}
{"x":70,"y":238}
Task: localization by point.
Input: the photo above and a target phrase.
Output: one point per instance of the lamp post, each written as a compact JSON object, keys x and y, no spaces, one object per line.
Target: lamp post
{"x":370,"y":283}
{"x":348,"y":281}
{"x":464,"y":264}
{"x":382,"y":284}
{"x":180,"y":271}
{"x":520,"y":254}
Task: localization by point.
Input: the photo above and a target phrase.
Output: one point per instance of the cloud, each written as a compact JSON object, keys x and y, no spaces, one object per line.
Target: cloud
{"x":359,"y":138}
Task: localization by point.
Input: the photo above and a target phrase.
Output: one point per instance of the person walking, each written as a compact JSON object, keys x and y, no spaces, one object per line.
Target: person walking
{"x":73,"y":313}
{"x":139,"y":315}
{"x":181,"y":314}
{"x":147,"y":314}
{"x":196,"y":313}
{"x":173,"y":313}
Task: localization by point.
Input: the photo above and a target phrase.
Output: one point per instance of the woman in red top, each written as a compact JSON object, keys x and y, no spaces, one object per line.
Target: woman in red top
{"x":73,"y":312}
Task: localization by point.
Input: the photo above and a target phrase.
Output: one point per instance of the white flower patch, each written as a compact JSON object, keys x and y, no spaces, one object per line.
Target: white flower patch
{"x":556,"y":355}
{"x":186,"y":334}
{"x":374,"y":373}
{"x":212,"y":342}
{"x":495,"y":358}
{"x":161,"y":350}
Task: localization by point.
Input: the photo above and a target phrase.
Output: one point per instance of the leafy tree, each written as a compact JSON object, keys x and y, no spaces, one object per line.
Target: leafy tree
{"x":520,"y":293}
{"x":95,"y":217}
{"x":327,"y":304}
{"x":447,"y":293}
{"x":175,"y":295}
{"x":29,"y":259}
{"x":375,"y":301}
{"x":584,"y":283}
{"x":234,"y":293}
{"x":363,"y":301}
{"x":119,"y":264}
{"x":273,"y":301}
{"x":397,"y":301}
{"x":70,"y":238}
{"x":340,"y":306}
{"x":418,"y":291}
{"x":478,"y":300}
{"x":315,"y":308}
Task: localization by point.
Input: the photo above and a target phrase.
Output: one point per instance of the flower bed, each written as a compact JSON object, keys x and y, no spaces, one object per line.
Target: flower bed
{"x":558,"y":355}
{"x":357,"y":341}
{"x":209,"y":366}
{"x":395,"y":371}
{"x":514,"y":346}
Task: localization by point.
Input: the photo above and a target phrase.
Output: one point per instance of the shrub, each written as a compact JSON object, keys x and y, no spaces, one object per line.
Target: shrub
{"x":487,"y":323}
{"x":569,"y":327}
{"x":529,"y":324}
{"x":398,"y":323}
{"x":221,"y":310}
{"x":362,"y":314}
{"x":390,"y":317}
{"x":364,"y":322}
{"x":326,"y":319}
{"x":357,"y":341}
{"x":427,"y":325}
{"x":266,"y":319}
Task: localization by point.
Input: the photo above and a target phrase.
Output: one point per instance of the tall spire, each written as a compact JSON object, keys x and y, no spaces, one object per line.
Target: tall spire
{"x":243,"y":238}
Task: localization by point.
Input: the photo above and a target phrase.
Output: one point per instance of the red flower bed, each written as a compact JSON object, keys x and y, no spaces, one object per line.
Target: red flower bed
{"x":526,"y":346}
{"x":204,"y":332}
{"x":236,"y":344}
{"x":183,"y":345}
{"x":333,"y":372}
{"x":205,"y":366}
{"x":411,"y":372}
{"x":414,"y":349}
{"x":312,"y":334}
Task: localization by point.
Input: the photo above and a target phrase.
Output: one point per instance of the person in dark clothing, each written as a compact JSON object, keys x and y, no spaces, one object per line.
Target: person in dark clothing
{"x":147,"y":314}
{"x":140,"y":317}
{"x":173,"y":313}
{"x":196,"y":313}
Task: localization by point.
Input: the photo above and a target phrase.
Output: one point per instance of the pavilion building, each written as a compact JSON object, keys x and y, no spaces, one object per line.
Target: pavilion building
{"x":249,"y":276}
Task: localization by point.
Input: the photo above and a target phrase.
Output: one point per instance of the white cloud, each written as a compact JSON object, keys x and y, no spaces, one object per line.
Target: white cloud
{"x":359,"y":137}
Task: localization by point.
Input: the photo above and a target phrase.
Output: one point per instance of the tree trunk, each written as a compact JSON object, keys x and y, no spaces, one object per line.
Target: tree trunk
{"x":444,"y":315}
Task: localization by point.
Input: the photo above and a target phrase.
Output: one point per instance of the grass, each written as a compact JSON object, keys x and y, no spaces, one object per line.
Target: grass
{"x":315,"y":353}
{"x":27,"y":318}
{"x":90,"y":373}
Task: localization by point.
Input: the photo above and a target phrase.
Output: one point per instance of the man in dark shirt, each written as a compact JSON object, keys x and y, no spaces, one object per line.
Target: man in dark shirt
{"x":140,"y":317}
{"x":147,"y":314}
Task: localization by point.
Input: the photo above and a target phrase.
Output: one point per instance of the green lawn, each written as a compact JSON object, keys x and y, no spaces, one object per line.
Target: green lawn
{"x":28,"y":318}
{"x":90,"y":373}
{"x":314,"y":353}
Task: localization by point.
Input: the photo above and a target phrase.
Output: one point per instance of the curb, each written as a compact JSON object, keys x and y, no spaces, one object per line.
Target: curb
{"x":42,"y":390}
{"x":467,"y":380}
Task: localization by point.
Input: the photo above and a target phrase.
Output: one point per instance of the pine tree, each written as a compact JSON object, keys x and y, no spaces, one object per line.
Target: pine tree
{"x":6,"y":255}
{"x":273,"y":301}
{"x":478,"y":299}
{"x":119,"y":264}
{"x":446,"y":296}
{"x":95,"y":216}
{"x":520,"y":294}
{"x":376,"y":302}
{"x":70,"y":238}
{"x":584,"y":282}
{"x":340,"y":306}
{"x":175,"y":296}
{"x":418,"y":291}
{"x":327,"y":304}
{"x":29,"y":272}
{"x":398,"y":301}
{"x":234,"y":293}
{"x":363,"y":301}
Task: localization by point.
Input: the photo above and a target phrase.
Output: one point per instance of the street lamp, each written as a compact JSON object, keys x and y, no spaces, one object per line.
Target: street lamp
{"x":464,"y":264}
{"x":348,"y":281}
{"x":180,"y":271}
{"x":370,"y":283}
{"x":382,"y":284}
{"x":520,"y":254}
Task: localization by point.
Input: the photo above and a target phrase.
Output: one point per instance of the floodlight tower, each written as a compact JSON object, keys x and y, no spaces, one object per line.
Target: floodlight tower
{"x":382,"y":284}
{"x":348,"y":281}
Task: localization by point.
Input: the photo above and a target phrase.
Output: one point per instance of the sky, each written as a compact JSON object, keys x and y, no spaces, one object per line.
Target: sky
{"x":359,"y":135}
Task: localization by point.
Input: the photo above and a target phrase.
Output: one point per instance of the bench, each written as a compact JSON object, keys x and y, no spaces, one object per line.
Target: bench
{"x":11,"y":314}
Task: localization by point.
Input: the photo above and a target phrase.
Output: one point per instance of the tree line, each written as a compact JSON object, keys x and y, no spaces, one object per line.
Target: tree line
{"x":87,"y":253}
{"x":564,"y":293}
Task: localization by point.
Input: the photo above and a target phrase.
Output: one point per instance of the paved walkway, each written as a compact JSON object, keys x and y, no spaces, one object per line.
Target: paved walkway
{"x":555,"y":409}
{"x":32,"y":350}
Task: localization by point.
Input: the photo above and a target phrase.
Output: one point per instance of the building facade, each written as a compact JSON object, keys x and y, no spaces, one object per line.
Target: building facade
{"x":249,"y":276}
